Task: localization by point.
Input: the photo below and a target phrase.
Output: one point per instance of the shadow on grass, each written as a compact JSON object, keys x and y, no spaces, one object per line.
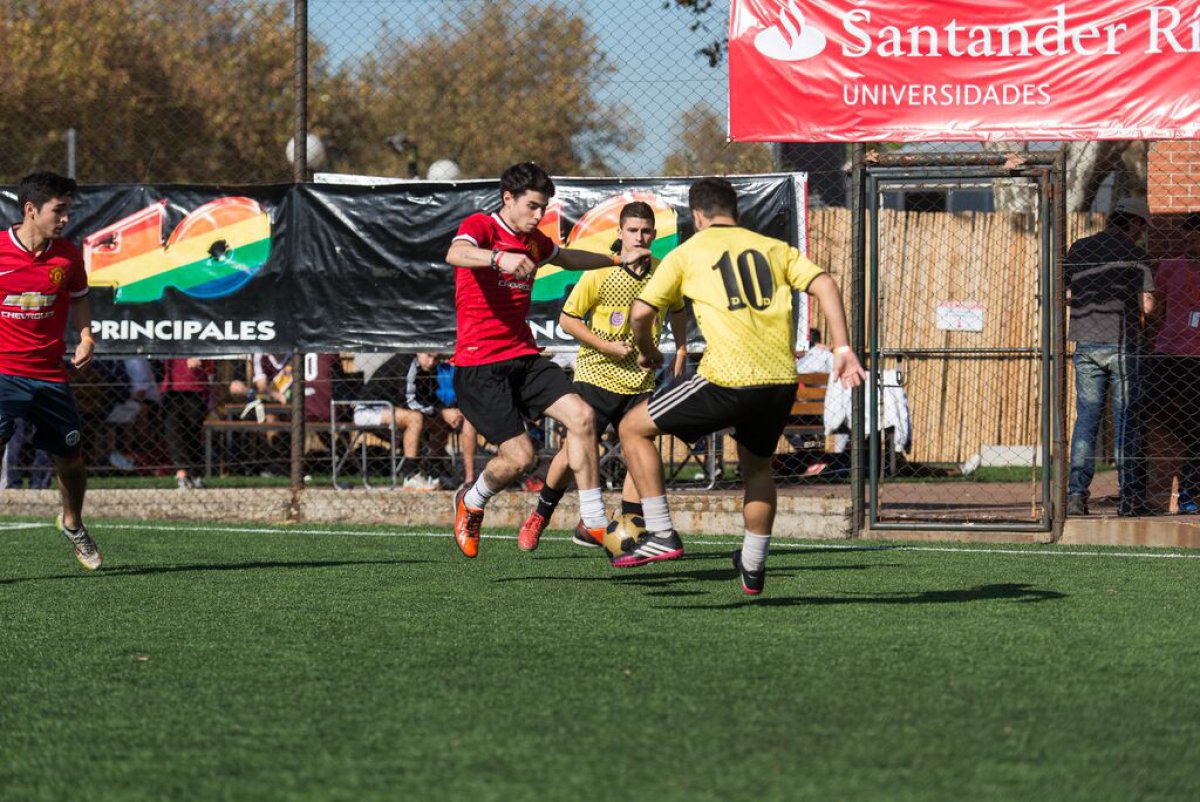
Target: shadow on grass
{"x":1010,"y":591}
{"x":147,"y":570}
{"x":661,"y":579}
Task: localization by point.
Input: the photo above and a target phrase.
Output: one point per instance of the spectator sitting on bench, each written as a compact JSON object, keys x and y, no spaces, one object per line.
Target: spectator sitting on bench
{"x":430,"y":391}
{"x":270,"y":383}
{"x":390,"y":383}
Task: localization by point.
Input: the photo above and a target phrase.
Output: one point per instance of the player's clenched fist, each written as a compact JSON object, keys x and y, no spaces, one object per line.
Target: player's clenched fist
{"x":617,"y":350}
{"x":518,"y":265}
{"x":650,"y":359}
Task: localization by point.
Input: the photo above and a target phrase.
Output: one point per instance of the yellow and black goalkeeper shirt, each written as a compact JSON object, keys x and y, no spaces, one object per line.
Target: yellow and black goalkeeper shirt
{"x":602,"y":299}
{"x":740,"y":284}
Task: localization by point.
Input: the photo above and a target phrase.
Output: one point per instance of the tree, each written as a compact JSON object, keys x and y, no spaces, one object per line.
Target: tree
{"x":703,"y":149}
{"x":1089,"y":163}
{"x":159,"y":90}
{"x":714,"y":51}
{"x":505,"y":82}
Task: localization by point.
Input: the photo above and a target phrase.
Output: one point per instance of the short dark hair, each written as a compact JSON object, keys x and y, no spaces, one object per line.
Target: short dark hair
{"x":37,"y":188}
{"x":713,"y":196}
{"x":526,"y":177}
{"x":1124,"y":221}
{"x":639,"y":209}
{"x":1192,"y":222}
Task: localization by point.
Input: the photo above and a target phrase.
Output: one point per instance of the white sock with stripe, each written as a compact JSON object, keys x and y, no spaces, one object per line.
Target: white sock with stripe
{"x":754,"y":551}
{"x":591,"y":508}
{"x":479,"y":494}
{"x":657,"y":514}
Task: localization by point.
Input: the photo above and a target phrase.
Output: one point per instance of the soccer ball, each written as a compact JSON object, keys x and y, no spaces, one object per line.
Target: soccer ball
{"x":622,"y":532}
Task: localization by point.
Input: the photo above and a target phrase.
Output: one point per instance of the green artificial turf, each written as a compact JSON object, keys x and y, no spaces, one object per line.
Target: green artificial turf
{"x":296,"y":664}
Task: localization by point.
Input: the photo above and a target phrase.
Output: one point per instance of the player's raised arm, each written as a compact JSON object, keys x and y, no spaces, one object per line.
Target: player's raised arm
{"x":463,"y":254}
{"x":576,"y":259}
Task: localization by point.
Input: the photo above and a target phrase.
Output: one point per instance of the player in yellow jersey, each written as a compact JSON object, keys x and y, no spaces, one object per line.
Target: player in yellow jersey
{"x":740,"y":284}
{"x":607,"y":375}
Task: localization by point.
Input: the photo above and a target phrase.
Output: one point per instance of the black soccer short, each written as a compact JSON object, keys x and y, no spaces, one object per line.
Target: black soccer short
{"x":497,"y":398}
{"x":692,"y":407}
{"x":609,"y":407}
{"x":49,"y":406}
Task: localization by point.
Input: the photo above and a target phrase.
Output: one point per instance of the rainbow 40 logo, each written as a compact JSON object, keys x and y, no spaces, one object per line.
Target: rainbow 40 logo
{"x":212,"y":253}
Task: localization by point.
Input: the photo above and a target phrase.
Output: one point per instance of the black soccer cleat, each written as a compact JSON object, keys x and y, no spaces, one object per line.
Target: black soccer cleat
{"x":752,"y":581}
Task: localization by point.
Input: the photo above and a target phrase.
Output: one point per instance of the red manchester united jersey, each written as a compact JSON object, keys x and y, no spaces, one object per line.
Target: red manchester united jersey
{"x":493,"y":307}
{"x":35,"y":296}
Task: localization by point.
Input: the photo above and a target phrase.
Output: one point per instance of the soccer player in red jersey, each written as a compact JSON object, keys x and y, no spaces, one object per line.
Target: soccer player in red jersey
{"x":42,"y":281}
{"x":500,"y":377}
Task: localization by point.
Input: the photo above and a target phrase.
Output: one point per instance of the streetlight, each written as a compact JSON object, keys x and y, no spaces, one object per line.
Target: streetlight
{"x":403,"y":145}
{"x":314,"y":150}
{"x":443,"y":170}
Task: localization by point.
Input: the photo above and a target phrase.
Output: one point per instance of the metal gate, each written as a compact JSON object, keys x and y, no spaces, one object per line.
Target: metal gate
{"x":963,"y":342}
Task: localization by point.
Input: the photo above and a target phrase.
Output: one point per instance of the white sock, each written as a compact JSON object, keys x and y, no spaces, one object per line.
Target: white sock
{"x":657,"y":514}
{"x":477,"y":497}
{"x":591,"y":508}
{"x":754,"y":551}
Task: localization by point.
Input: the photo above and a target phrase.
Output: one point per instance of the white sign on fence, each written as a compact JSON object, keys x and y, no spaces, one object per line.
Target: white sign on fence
{"x":959,"y":316}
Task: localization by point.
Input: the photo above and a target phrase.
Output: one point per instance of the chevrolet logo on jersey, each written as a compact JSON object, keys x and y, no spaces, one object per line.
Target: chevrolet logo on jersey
{"x":29,"y":300}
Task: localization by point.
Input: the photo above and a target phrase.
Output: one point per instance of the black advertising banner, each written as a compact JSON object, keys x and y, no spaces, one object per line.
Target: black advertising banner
{"x":370,"y":272}
{"x":198,"y":270}
{"x":183,"y":270}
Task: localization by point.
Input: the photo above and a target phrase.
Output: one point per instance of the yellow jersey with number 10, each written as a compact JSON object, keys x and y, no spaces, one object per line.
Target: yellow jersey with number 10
{"x":740,"y":284}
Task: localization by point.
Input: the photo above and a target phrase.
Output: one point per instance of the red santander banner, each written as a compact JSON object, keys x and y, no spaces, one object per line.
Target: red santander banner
{"x":884,"y":70}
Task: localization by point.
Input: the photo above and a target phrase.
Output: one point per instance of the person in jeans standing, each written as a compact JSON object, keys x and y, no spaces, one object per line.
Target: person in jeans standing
{"x":1111,"y":294}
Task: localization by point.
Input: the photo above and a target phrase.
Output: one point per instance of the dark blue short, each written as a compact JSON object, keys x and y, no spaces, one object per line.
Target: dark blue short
{"x":49,"y":406}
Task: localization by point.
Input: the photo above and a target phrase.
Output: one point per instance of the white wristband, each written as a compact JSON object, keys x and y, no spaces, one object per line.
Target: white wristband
{"x":841,"y":349}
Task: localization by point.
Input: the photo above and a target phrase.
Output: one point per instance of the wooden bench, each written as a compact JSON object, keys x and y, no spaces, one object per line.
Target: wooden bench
{"x":240,"y":411}
{"x":805,"y":429}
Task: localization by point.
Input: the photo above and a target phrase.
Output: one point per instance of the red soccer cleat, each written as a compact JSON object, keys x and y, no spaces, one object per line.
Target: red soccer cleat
{"x":530,"y":533}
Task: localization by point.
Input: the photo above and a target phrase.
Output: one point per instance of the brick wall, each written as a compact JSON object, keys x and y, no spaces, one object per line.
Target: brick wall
{"x":1174,"y":177}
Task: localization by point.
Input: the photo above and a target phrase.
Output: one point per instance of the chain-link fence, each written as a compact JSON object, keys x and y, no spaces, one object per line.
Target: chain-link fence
{"x":963,"y":309}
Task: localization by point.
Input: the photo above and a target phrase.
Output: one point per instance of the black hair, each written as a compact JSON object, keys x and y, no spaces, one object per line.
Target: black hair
{"x":1192,"y":222}
{"x":526,"y":177}
{"x":639,"y":209}
{"x":37,"y":188}
{"x":713,"y":197}
{"x":1124,"y":221}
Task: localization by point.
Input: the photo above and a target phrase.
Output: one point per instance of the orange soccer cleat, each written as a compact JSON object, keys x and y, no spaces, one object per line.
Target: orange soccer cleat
{"x":467,"y":521}
{"x":591,"y":538}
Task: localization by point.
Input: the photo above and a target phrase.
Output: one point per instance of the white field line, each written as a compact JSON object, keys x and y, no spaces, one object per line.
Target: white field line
{"x":777,"y":543}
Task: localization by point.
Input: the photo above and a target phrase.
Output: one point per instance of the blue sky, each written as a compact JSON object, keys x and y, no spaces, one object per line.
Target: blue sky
{"x":657,"y":73}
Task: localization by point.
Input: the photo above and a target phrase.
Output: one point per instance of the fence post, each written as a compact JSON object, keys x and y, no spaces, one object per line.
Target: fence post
{"x":858,"y":316}
{"x":1058,"y":392}
{"x":299,"y":174}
